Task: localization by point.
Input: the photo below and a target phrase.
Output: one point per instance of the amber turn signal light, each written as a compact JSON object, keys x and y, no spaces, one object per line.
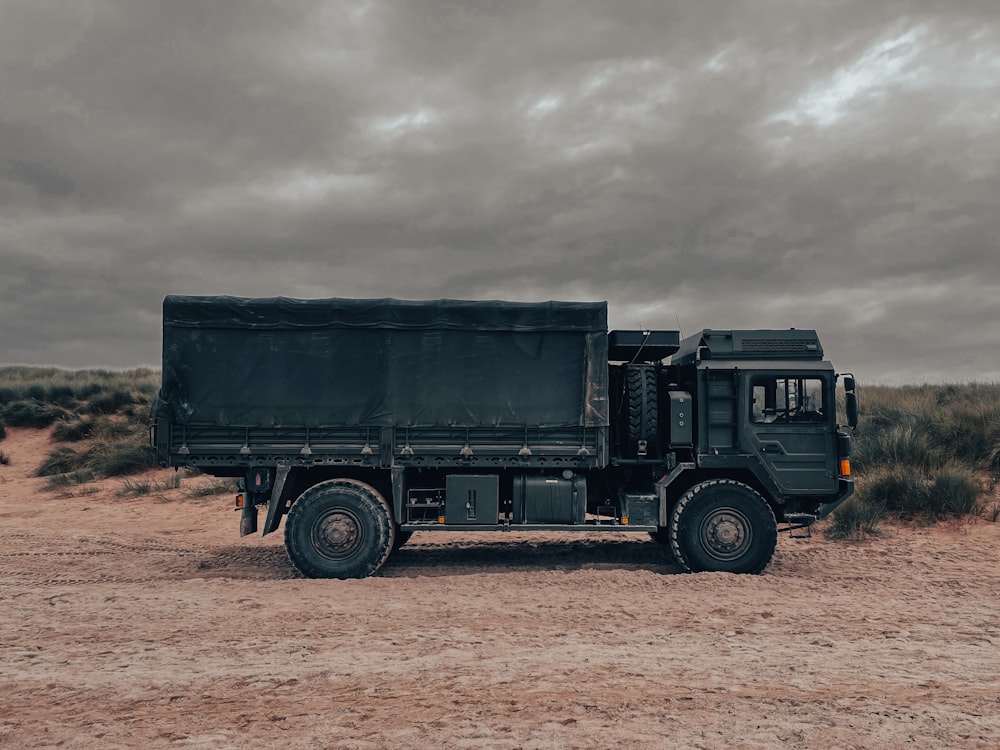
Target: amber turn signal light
{"x":845,"y":467}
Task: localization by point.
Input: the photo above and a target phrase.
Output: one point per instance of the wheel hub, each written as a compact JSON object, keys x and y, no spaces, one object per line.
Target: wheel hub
{"x":337,"y":534}
{"x":726,"y":534}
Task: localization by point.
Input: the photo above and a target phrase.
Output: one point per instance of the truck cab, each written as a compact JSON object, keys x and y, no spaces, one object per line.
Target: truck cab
{"x":768,"y":403}
{"x":745,"y":417}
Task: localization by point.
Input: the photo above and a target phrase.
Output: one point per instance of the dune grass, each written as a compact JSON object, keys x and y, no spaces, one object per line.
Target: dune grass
{"x":218,"y":486}
{"x":922,"y":453}
{"x":38,"y":396}
{"x":105,"y":412}
{"x":142,"y":487}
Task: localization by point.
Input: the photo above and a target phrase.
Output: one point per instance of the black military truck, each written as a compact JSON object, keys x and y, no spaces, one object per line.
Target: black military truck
{"x":363,"y":421}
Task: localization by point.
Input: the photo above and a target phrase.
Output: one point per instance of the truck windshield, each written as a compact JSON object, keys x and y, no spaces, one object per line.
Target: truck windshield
{"x":777,"y":398}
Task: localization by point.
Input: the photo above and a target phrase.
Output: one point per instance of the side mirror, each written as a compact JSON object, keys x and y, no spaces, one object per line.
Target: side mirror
{"x":851,"y":406}
{"x":849,"y":384}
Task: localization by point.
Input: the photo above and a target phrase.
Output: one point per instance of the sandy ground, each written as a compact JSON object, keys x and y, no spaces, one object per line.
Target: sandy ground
{"x":147,"y":622}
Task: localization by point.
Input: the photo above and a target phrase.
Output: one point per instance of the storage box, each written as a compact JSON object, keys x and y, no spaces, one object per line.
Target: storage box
{"x":472,"y":499}
{"x":641,"y":510}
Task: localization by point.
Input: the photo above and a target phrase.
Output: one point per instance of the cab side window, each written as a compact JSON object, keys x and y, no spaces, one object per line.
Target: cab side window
{"x":776,"y":398}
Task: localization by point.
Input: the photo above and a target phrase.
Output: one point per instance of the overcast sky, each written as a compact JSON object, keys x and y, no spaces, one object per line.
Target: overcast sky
{"x":828,"y":165}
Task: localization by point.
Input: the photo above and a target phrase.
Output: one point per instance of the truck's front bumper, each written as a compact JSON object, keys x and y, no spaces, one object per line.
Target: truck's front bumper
{"x":845,"y":491}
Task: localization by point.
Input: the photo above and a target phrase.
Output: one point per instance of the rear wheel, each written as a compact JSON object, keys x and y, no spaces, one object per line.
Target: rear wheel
{"x":723,"y":526}
{"x":339,"y":529}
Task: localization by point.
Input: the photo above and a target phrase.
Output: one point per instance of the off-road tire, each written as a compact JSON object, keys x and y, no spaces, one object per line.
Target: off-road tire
{"x":723,"y":526}
{"x":340,"y":528}
{"x":642,"y":407}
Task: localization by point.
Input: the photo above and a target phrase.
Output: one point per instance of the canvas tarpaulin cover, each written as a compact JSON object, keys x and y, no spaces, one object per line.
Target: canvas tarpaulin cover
{"x":383,"y":362}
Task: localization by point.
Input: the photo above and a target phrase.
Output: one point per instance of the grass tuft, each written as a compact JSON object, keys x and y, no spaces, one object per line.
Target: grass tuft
{"x":69,"y":479}
{"x":31,"y":413}
{"x":115,"y":401}
{"x":101,"y":459}
{"x":73,"y":430}
{"x":955,"y":491}
{"x":142,"y":487}
{"x":62,"y":460}
{"x":898,"y":490}
{"x":218,"y":486}
{"x":120,"y":459}
{"x":135,"y":487}
{"x":60,"y":395}
{"x":856,"y":520}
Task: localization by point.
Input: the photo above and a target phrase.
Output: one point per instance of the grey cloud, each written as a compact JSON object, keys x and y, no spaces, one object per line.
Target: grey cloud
{"x":828,"y":165}
{"x":46,"y":181}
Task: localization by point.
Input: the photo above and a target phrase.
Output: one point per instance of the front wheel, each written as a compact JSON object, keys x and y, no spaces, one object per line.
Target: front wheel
{"x":341,"y":528}
{"x":723,"y":526}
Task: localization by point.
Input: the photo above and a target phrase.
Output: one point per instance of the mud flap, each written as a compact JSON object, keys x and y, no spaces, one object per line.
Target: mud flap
{"x":248,"y":519}
{"x":276,"y":505}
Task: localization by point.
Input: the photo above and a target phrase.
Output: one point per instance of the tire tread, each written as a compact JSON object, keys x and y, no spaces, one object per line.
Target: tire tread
{"x":642,"y":405}
{"x":300,"y":557}
{"x":691,"y":496}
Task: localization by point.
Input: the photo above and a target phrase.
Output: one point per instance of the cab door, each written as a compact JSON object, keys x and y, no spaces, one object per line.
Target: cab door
{"x":790,"y":426}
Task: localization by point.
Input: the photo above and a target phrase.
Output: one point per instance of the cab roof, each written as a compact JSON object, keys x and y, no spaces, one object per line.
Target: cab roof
{"x":750,"y":344}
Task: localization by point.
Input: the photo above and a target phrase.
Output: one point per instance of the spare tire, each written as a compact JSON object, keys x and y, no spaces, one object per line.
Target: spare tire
{"x":641,"y":416}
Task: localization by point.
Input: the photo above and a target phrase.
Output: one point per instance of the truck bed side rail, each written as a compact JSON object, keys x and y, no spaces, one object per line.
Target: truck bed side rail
{"x":206,"y":446}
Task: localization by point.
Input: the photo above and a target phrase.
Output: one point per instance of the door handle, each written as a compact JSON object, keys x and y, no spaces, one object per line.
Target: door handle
{"x":771,"y":447}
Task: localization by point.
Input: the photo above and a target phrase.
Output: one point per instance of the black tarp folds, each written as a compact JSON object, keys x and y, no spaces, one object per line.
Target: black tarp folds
{"x":339,"y":362}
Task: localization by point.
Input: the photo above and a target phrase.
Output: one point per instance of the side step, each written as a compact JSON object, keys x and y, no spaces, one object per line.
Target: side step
{"x":797,"y":521}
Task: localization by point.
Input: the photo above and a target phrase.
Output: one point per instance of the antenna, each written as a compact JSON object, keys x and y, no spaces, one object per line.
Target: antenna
{"x":646,"y":333}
